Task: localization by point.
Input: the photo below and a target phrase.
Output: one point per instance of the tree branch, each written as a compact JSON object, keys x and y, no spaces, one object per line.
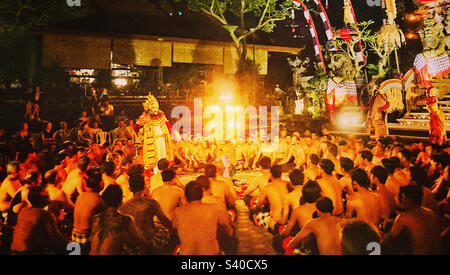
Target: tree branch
{"x":252,"y":30}
{"x":264,"y":12}
{"x":211,"y":12}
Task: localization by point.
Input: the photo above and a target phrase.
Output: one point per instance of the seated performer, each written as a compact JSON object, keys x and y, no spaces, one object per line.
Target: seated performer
{"x":197,"y":223}
{"x":275,"y":194}
{"x":325,"y":229}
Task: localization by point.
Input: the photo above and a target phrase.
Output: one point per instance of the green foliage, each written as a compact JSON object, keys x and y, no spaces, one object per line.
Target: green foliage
{"x":269,"y":9}
{"x":242,"y":18}
{"x":372,"y":69}
{"x":316,"y":92}
{"x":365,"y":34}
{"x":235,"y":15}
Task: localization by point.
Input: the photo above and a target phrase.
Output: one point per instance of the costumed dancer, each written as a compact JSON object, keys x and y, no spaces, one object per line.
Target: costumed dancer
{"x":154,"y":131}
{"x":374,"y":120}
{"x":438,"y":134}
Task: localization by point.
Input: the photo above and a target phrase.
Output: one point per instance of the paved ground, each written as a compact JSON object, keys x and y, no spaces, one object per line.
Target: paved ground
{"x":252,"y":239}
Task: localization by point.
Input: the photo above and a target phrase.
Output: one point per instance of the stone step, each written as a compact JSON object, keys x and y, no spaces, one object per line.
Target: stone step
{"x":425,"y":115}
{"x":418,"y":122}
{"x":424,"y":128}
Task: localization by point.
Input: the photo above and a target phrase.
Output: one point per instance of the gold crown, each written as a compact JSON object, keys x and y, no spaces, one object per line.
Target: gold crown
{"x":151,"y":102}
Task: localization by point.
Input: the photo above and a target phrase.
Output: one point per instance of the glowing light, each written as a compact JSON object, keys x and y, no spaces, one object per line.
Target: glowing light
{"x":411,"y":35}
{"x":226,"y":97}
{"x":120,"y":82}
{"x":413,"y":17}
{"x":214,"y":108}
{"x":349,"y":119}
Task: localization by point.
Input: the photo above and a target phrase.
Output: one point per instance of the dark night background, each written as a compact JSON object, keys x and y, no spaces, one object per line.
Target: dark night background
{"x":171,"y":19}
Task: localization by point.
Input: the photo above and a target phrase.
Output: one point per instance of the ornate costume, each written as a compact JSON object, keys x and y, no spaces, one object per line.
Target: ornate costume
{"x":438,"y":134}
{"x":433,"y":62}
{"x":376,"y":106}
{"x":341,"y":87}
{"x":154,"y":130}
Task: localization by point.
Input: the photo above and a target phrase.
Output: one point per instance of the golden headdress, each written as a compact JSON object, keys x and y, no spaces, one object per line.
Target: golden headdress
{"x":150,"y":102}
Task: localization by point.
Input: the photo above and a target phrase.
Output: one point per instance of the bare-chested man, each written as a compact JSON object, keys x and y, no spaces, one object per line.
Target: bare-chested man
{"x":202,"y":155}
{"x":208,"y":196}
{"x":259,"y":182}
{"x":252,"y":150}
{"x":396,"y":178}
{"x":221,"y":188}
{"x":332,"y":154}
{"x":227,"y":244}
{"x":282,"y":148}
{"x":107,"y":169}
{"x":404,"y":156}
{"x":312,"y":171}
{"x":88,"y":204}
{"x":310,"y":145}
{"x":345,"y":151}
{"x":241,"y":154}
{"x":36,"y":231}
{"x":419,"y":177}
{"x":330,"y":185}
{"x":325,"y":228}
{"x":220,"y":168}
{"x":275,"y":194}
{"x":55,"y":193}
{"x":311,"y":192}
{"x":156,"y":179}
{"x":378,"y":153}
{"x":10,"y":185}
{"x":378,"y":177}
{"x":366,"y":161}
{"x":359,"y":147}
{"x":296,"y":151}
{"x":419,"y":223}
{"x":356,"y":235}
{"x":346,"y":181}
{"x":363,"y":204}
{"x":74,"y":184}
{"x":169,"y":196}
{"x":296,"y":177}
{"x":424,"y":156}
{"x":112,"y":232}
{"x":195,"y":214}
{"x":265,"y":149}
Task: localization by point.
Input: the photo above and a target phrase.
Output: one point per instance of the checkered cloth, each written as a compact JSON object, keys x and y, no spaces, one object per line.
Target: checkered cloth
{"x":438,"y":64}
{"x":161,"y":238}
{"x":420,"y":61}
{"x":262,"y":219}
{"x":80,"y":238}
{"x":435,"y":65}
